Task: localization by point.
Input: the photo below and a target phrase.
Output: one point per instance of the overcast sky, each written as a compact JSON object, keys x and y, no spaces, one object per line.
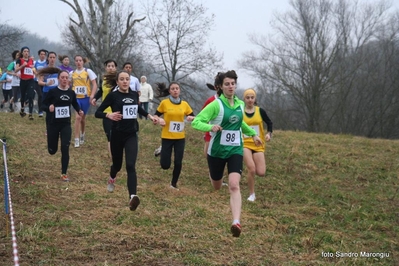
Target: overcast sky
{"x":245,"y":17}
{"x":234,"y":20}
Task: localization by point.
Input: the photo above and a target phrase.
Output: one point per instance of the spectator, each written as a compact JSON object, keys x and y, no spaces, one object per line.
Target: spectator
{"x":146,"y":95}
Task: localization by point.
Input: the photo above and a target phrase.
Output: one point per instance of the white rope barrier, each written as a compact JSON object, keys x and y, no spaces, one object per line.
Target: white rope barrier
{"x":11,"y":215}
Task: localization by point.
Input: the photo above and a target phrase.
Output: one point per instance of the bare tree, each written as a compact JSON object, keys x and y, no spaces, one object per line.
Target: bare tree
{"x":10,"y":39}
{"x":102,"y":30}
{"x":311,"y":60}
{"x":176,"y":32}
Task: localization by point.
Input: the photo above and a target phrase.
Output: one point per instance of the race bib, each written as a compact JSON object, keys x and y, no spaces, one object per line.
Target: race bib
{"x":52,"y":82}
{"x":28,"y":71}
{"x":230,"y":138}
{"x":81,"y":90}
{"x":130,"y":111}
{"x":176,"y":126}
{"x":256,"y":128}
{"x":62,"y":112}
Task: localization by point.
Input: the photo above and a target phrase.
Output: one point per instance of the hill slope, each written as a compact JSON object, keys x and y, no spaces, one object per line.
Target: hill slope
{"x":321,"y":193}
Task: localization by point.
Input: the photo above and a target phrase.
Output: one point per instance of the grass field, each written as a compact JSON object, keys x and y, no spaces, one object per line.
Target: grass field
{"x":324,"y":198}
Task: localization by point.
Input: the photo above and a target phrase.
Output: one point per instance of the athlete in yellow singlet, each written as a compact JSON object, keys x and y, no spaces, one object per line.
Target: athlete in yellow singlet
{"x":254,"y":156}
{"x":110,"y":67}
{"x":85,"y":86}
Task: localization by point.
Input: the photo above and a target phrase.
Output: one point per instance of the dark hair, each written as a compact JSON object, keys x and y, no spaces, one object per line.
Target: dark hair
{"x":49,"y":70}
{"x":214,"y":86}
{"x":221,"y":76}
{"x":14,"y":54}
{"x":42,"y":50}
{"x":85,"y":59}
{"x":51,"y":53}
{"x":163,"y":91}
{"x":48,"y":54}
{"x":127,"y":63}
{"x":110,"y":61}
{"x":62,"y":57}
{"x":110,"y":79}
{"x":25,"y":47}
{"x":59,"y":73}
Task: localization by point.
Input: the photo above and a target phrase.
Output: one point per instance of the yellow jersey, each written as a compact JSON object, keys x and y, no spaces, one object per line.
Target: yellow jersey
{"x":81,"y":84}
{"x":256,"y":122}
{"x":174,"y":114}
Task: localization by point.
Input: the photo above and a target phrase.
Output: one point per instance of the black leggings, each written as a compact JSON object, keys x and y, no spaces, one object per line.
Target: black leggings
{"x":16,"y":91}
{"x":54,"y":131}
{"x":107,"y":125}
{"x":27,"y":93}
{"x":39,"y":92}
{"x":166,"y":156}
{"x":127,"y":141}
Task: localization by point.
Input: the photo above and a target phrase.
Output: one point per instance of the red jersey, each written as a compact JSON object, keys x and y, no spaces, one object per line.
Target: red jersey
{"x":207,"y":136}
{"x":27,"y":71}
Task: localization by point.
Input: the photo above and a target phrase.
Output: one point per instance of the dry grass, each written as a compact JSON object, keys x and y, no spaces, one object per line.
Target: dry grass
{"x":322,"y":193}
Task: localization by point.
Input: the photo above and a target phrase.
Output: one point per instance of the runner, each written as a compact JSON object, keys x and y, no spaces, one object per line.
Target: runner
{"x":64,"y":59}
{"x":207,"y":135}
{"x":254,"y":156}
{"x":25,"y":64}
{"x":6,"y":80}
{"x":224,"y":118}
{"x":48,"y":77}
{"x":174,"y":110}
{"x":15,"y":84}
{"x":39,"y":64}
{"x":134,"y":82}
{"x":57,"y":105}
{"x":124,"y":104}
{"x":110,"y":67}
{"x":85,"y":86}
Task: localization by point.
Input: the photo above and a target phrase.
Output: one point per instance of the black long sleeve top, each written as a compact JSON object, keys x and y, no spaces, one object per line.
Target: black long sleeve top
{"x":127,"y":105}
{"x":62,"y":101}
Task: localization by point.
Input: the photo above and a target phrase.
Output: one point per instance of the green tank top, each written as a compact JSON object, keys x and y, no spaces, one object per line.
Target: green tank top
{"x":227,"y":142}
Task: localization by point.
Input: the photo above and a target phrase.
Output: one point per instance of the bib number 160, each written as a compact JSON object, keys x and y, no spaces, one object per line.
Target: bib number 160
{"x":130,"y":111}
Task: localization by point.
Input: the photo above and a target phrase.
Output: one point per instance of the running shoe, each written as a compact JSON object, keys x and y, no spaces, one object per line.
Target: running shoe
{"x":252,"y":197}
{"x":236,"y":229}
{"x":77,"y":143}
{"x":134,"y":202}
{"x":174,"y":187}
{"x":64,"y":178}
{"x":11,"y":110}
{"x":30,"y":117}
{"x":111,"y":184}
{"x":22,"y":114}
{"x":41,"y":114}
{"x":82,"y":138}
{"x":157,"y":151}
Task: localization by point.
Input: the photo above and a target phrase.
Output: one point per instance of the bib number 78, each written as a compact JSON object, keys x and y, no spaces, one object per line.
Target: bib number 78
{"x":175,"y":126}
